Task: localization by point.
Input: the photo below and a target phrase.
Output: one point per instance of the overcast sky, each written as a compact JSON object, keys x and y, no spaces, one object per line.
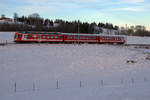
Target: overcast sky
{"x":119,"y":12}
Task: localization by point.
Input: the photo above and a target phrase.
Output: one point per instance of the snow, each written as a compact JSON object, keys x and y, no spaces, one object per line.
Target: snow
{"x":102,"y":69}
{"x":7,"y":36}
{"x":45,"y":64}
{"x":138,"y":40}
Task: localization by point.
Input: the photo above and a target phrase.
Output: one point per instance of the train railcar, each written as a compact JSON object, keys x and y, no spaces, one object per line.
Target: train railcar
{"x":67,"y":37}
{"x":38,"y":37}
{"x":93,"y":38}
{"x":80,"y":38}
{"x":119,"y":39}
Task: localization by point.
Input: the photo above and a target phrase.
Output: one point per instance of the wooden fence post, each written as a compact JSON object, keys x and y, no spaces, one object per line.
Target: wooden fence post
{"x":122,"y":81}
{"x":132,"y":80}
{"x":57,"y":85}
{"x":102,"y":83}
{"x":145,"y":79}
{"x":15,"y":87}
{"x":33,"y":86}
{"x":6,"y":42}
{"x":80,"y":84}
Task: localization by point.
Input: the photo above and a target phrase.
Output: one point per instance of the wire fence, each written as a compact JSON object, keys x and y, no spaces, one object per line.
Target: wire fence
{"x":3,"y":42}
{"x":82,"y":84}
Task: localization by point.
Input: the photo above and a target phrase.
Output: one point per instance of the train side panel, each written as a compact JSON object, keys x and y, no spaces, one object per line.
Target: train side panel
{"x":51,"y":38}
{"x":80,"y":39}
{"x":109,"y":39}
{"x":67,"y":38}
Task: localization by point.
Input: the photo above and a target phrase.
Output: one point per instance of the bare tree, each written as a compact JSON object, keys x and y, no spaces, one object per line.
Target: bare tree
{"x":15,"y":17}
{"x":34,"y":15}
{"x":2,"y":16}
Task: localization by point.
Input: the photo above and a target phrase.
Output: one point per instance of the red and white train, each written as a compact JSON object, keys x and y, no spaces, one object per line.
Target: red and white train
{"x":53,"y":37}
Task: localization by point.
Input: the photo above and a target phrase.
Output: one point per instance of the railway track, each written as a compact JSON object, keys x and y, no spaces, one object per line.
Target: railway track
{"x":148,"y":45}
{"x":137,"y":45}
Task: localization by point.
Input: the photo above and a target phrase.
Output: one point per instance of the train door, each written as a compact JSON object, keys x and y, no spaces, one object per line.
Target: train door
{"x":24,"y":37}
{"x":39,"y":38}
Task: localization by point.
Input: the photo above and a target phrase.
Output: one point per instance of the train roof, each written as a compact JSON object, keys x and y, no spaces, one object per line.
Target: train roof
{"x":75,"y":34}
{"x":72,"y":34}
{"x":33,"y":32}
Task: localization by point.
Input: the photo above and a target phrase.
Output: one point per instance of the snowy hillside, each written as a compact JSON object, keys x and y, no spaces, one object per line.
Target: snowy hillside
{"x":73,"y":72}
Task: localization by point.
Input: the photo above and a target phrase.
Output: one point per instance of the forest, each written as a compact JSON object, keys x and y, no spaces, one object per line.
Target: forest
{"x":34,"y":22}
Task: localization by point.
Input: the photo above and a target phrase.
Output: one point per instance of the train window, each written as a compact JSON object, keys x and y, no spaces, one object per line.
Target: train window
{"x":51,"y":37}
{"x":44,"y":37}
{"x":117,"y":38}
{"x":19,"y":35}
{"x":25,"y":36}
{"x":29,"y":36}
{"x":48,"y":37}
{"x":55,"y":37}
{"x":59,"y":37}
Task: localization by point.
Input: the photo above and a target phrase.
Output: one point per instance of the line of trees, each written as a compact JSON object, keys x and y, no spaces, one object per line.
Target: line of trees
{"x":34,"y":22}
{"x":138,"y":30}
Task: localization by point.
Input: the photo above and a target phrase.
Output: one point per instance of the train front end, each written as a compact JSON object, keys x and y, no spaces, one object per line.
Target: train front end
{"x":18,"y":37}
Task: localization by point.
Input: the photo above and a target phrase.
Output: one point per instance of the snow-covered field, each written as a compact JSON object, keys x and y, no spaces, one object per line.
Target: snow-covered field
{"x":137,"y":40}
{"x":73,"y":72}
{"x":102,"y":70}
{"x":6,"y":36}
